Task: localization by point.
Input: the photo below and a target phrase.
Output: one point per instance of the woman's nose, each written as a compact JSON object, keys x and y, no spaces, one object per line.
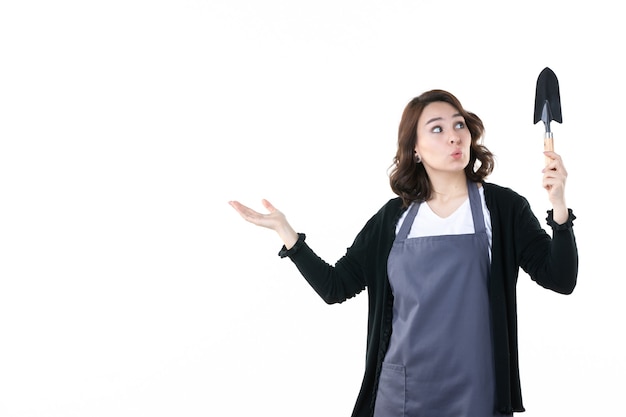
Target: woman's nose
{"x":455,"y":138}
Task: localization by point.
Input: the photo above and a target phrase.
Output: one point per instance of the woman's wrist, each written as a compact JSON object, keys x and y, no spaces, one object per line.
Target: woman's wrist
{"x":288,"y":236}
{"x":560,"y":214}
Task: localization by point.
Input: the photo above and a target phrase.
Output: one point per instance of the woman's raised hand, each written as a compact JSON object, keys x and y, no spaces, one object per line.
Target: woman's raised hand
{"x":554,"y":178}
{"x":274,"y":220}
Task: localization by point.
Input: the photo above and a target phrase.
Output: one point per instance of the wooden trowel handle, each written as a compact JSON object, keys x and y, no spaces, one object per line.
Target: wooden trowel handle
{"x":548,"y":145}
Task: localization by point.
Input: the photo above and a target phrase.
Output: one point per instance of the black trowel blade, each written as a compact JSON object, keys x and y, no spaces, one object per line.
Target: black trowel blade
{"x":548,"y":91}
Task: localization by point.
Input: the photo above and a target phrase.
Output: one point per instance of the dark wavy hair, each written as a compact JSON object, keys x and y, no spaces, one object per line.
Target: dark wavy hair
{"x":409,"y":179}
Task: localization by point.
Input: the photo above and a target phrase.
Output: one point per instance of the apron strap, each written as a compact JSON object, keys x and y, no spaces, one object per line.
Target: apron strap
{"x":477,"y":207}
{"x":408,"y":222}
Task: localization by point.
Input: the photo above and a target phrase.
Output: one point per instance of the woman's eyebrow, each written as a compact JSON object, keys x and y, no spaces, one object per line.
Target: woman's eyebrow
{"x":434,"y":119}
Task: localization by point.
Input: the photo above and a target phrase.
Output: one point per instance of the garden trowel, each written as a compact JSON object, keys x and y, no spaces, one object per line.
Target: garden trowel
{"x":548,"y":105}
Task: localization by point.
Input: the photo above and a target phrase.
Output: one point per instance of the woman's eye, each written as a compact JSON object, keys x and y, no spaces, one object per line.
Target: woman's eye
{"x":437,"y":129}
{"x":460,"y":125}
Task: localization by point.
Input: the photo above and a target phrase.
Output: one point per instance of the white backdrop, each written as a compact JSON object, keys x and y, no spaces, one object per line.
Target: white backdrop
{"x":129,"y":287}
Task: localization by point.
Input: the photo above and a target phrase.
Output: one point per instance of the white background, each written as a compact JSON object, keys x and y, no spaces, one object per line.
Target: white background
{"x":128,"y":285}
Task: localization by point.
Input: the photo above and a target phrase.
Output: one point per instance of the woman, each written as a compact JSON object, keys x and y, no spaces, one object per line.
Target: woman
{"x":440,"y":263}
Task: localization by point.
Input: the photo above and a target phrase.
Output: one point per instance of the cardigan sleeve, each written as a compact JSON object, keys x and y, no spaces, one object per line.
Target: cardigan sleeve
{"x":363,"y":265}
{"x":333,"y":283}
{"x":551,"y":262}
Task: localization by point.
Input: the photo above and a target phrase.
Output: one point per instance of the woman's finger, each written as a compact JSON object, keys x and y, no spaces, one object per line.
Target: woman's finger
{"x":268,"y":206}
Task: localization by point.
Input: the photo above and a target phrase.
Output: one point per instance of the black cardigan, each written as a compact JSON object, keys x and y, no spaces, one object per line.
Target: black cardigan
{"x":518,"y":241}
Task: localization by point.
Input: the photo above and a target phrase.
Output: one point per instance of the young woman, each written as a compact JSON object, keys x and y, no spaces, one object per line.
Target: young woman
{"x":440,"y":263}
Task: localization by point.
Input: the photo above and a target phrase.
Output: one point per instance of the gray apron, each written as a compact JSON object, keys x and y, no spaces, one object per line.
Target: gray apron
{"x":440,"y":360}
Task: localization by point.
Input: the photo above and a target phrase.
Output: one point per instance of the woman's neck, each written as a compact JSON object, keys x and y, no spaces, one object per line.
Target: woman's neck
{"x":448,"y":195}
{"x":446,"y":188}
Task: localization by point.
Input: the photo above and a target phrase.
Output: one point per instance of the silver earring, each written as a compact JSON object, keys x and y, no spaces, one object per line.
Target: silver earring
{"x":418,"y":159}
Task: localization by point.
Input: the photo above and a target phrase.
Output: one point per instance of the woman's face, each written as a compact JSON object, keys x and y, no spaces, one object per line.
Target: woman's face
{"x":443,"y":140}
